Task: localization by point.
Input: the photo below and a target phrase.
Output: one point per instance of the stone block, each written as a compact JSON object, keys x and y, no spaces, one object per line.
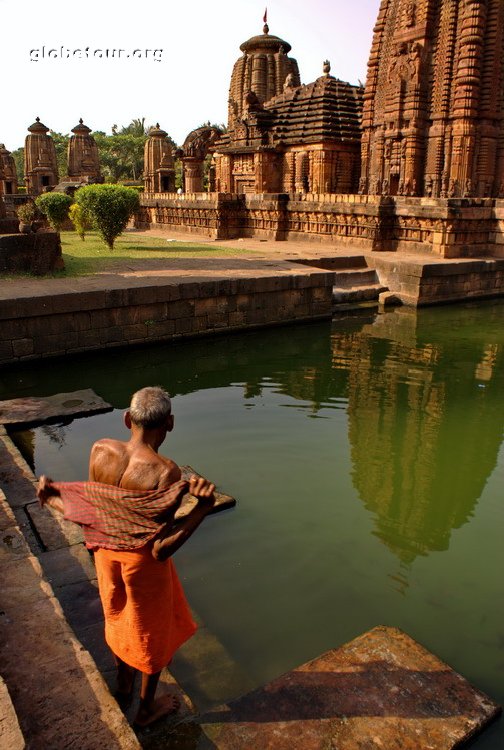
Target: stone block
{"x":22,"y":347}
{"x":33,"y":409}
{"x":52,"y":528}
{"x":67,"y":565}
{"x":11,"y":736}
{"x":381,"y":690}
{"x":181,"y":309}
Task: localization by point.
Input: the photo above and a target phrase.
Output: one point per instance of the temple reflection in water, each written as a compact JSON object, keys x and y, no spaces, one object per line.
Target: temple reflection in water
{"x":425,"y":424}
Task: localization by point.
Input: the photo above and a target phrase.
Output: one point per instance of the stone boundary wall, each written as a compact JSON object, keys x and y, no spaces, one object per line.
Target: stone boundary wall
{"x":451,"y":228}
{"x":61,"y":324}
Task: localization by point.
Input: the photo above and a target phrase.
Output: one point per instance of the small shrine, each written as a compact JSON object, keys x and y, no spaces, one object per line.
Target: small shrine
{"x":8,"y":168}
{"x":40,"y":165}
{"x":83,"y":160}
{"x":159,"y":167}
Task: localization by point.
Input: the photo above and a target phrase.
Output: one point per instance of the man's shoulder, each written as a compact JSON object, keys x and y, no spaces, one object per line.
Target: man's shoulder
{"x":108,"y":445}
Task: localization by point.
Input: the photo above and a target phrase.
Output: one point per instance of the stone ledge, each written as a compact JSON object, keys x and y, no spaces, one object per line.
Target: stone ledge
{"x":381,"y":690}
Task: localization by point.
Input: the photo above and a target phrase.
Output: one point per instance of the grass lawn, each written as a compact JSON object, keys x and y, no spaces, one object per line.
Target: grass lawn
{"x":93,"y":256}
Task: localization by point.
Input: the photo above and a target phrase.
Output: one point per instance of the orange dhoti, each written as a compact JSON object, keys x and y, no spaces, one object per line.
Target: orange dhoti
{"x":147,"y":617}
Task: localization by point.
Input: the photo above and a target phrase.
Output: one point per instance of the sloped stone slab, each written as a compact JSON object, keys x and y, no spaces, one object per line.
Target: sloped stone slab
{"x":222,"y":501}
{"x":31,"y":410}
{"x":381,"y":691}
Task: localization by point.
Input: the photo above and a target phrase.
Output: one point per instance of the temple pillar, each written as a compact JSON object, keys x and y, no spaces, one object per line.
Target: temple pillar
{"x":193,"y":174}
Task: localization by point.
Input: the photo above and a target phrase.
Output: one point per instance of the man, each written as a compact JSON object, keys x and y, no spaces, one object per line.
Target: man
{"x":133,"y":534}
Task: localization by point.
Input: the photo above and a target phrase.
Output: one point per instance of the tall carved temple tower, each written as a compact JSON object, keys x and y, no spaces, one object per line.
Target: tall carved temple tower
{"x":83,"y":160}
{"x":159,"y":169}
{"x":261,"y":71}
{"x":41,"y":169}
{"x":434,"y":100}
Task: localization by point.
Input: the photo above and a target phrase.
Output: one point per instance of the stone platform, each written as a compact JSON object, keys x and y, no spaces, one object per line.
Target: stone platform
{"x":270,"y":283}
{"x":381,"y":691}
{"x":44,"y":409}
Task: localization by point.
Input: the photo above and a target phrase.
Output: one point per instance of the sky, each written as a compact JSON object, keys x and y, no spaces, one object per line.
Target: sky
{"x":181,"y":82}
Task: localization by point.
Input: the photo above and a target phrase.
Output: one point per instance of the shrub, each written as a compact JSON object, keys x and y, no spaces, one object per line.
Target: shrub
{"x":80,"y":219}
{"x":109,"y":207}
{"x":27,"y":212}
{"x":55,"y":207}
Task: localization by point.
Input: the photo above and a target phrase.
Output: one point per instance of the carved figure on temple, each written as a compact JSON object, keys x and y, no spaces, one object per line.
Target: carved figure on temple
{"x":468,"y":189}
{"x":410,"y":13}
{"x":289,"y":83}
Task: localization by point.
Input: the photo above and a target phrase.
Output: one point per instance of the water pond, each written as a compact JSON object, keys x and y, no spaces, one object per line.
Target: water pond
{"x":366,"y":456}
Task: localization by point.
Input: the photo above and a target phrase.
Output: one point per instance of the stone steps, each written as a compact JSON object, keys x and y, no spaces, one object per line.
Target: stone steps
{"x":355,"y":288}
{"x":355,"y":284}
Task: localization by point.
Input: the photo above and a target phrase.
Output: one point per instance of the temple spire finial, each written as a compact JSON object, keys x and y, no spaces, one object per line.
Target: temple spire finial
{"x":265,"y":22}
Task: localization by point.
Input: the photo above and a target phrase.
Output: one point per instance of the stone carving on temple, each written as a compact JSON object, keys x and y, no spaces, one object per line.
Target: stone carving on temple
{"x":159,"y":165}
{"x":40,"y":165}
{"x":436,"y":78}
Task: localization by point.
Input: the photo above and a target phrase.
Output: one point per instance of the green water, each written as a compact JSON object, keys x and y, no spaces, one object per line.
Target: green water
{"x":367,"y":460}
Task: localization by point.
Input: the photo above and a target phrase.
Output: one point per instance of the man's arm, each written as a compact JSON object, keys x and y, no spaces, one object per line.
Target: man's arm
{"x":48,"y":494}
{"x":167,"y":544}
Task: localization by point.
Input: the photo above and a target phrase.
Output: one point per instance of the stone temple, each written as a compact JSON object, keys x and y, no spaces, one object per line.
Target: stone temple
{"x":433,"y":110}
{"x":8,"y":167}
{"x":83,"y":161}
{"x":412,"y":164}
{"x":283,"y":137}
{"x":40,"y":165}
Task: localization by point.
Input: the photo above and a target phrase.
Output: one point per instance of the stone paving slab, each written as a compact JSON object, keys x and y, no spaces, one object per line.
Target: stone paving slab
{"x":381,"y":691}
{"x":43,"y":409}
{"x":11,"y":736}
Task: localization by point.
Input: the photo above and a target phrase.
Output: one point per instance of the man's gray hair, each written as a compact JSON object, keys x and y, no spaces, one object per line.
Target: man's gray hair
{"x":150,"y":407}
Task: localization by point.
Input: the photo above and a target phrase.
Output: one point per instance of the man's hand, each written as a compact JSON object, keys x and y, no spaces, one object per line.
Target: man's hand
{"x":48,"y":494}
{"x":202,"y":489}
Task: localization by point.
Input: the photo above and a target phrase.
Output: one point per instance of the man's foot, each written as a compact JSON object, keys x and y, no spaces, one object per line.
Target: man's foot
{"x":124,"y":700}
{"x":163,"y":706}
{"x":125,"y":686}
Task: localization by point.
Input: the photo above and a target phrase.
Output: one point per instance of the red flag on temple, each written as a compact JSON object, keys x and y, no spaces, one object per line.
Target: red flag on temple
{"x":265,"y":18}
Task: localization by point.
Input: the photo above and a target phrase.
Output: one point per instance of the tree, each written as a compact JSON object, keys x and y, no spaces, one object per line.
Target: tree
{"x":18,"y":156}
{"x":55,"y":207}
{"x":61,"y":145}
{"x":109,"y":207}
{"x":80,"y":219}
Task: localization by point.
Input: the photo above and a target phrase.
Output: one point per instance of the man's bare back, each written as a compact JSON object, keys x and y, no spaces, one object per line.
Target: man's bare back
{"x":132,"y":466}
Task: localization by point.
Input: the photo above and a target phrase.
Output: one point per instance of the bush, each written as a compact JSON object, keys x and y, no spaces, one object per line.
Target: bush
{"x":109,"y":208}
{"x":27,"y":212}
{"x":80,"y":219}
{"x":55,"y":207}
